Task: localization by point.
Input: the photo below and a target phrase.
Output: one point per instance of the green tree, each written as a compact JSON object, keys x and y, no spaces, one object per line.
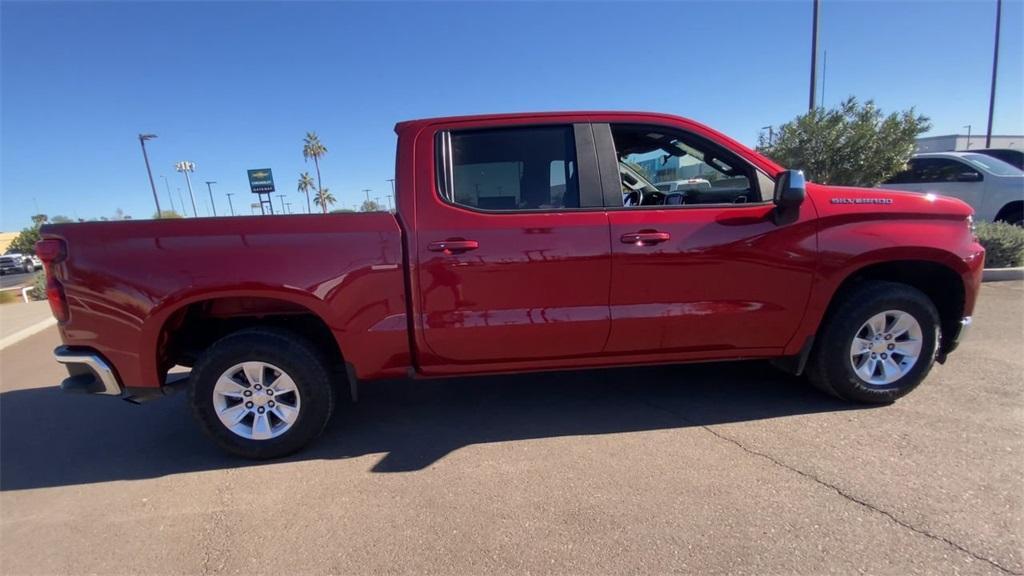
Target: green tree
{"x":370,"y":206}
{"x":167,"y":214}
{"x":313,"y":148}
{"x":60,"y":219}
{"x":324,"y":198}
{"x":305,"y":185}
{"x":853,"y":144}
{"x":25,"y":241}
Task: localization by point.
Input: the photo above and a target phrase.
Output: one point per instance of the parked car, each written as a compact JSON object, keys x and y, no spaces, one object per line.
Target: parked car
{"x":15,"y":263}
{"x":1009,"y":155}
{"x":992,"y":187}
{"x":514,"y":249}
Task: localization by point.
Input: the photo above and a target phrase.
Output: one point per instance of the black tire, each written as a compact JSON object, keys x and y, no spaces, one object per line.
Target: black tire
{"x":830,"y":368}
{"x":294,"y":355}
{"x":29,"y":267}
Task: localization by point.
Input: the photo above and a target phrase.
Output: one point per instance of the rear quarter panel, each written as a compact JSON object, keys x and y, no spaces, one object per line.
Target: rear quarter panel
{"x":124,"y":280}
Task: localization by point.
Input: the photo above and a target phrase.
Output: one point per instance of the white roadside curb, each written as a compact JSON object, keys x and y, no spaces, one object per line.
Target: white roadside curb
{"x":26,"y":332}
{"x":1001,"y":274}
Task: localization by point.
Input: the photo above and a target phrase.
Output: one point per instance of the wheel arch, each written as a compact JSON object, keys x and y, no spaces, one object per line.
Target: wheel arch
{"x":1008,"y":211}
{"x":937,"y":279}
{"x":177,"y":331}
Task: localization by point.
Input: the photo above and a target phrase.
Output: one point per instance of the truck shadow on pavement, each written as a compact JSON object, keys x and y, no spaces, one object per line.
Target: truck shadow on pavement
{"x":48,"y":438}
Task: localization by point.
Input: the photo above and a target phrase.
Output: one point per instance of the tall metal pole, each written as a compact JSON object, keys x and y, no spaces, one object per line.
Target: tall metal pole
{"x":231,"y":206}
{"x":281,"y":196}
{"x":814,"y":56}
{"x":367,"y":190}
{"x":191,"y":195}
{"x":968,"y":137}
{"x":181,"y":200}
{"x":167,"y":185}
{"x":209,"y":189}
{"x":995,"y":67}
{"x":145,"y":156}
{"x":186,"y":167}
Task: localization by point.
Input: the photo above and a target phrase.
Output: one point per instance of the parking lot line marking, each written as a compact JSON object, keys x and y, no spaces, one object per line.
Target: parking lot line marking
{"x":26,"y":332}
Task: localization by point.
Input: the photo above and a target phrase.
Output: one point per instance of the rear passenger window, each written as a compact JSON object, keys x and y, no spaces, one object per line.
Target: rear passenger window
{"x":509,"y":169}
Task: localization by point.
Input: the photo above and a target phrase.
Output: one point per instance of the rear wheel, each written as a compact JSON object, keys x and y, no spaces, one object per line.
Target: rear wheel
{"x":262,"y":393}
{"x":878,"y":345}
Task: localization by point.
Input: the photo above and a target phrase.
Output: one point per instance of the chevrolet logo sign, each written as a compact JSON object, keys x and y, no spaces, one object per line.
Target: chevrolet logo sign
{"x":260,"y":175}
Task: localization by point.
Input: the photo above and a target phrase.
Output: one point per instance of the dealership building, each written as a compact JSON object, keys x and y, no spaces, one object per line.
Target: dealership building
{"x":961,"y":142}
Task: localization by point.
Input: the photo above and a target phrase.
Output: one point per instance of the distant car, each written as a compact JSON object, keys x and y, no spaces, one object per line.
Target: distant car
{"x":1008,"y":155}
{"x":14,"y":263}
{"x":992,"y":187}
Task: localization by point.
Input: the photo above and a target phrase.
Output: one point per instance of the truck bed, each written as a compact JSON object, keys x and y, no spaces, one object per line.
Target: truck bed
{"x":125,"y":281}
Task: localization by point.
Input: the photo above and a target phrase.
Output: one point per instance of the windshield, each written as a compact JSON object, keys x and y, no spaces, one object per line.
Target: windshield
{"x":992,"y":165}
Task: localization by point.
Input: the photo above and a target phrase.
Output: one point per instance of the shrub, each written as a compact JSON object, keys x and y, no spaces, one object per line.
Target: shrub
{"x":38,"y":291}
{"x":1004,"y":244}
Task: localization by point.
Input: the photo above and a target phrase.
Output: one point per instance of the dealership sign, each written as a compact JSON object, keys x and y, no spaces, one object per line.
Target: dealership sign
{"x":261,"y":181}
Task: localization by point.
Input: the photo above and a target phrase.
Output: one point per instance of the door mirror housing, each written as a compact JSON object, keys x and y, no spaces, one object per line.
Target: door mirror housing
{"x":790,"y":190}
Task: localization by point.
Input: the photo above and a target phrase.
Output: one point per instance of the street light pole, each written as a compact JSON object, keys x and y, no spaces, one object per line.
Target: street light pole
{"x":167,"y":185}
{"x":771,"y":133}
{"x":209,"y":189}
{"x":281,"y":196}
{"x":145,"y":156}
{"x":392,"y":181}
{"x":995,"y":67}
{"x":367,"y":191}
{"x":814,"y":55}
{"x":968,"y":137}
{"x":186,"y":167}
{"x":230,"y":206}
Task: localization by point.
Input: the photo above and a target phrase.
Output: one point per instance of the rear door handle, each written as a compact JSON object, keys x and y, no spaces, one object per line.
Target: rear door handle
{"x":453,"y":246}
{"x":645,"y":237}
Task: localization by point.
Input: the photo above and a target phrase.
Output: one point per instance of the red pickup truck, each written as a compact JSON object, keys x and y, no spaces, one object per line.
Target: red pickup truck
{"x":521,"y":242}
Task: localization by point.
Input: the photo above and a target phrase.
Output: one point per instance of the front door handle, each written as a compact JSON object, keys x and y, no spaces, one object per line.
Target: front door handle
{"x":645,"y":237}
{"x":453,"y":246}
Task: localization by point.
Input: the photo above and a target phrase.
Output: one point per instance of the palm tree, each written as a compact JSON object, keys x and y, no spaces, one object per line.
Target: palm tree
{"x":324,"y":198}
{"x":305,"y":185}
{"x":313,"y":148}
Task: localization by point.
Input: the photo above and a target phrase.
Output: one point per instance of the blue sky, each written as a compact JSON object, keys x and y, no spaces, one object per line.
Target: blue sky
{"x":235,"y":85}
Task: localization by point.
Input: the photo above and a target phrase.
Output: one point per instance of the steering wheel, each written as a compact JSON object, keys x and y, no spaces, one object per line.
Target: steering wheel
{"x":633,"y":198}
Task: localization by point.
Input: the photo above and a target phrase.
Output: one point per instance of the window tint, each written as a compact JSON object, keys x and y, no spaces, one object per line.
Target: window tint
{"x":942,"y":170}
{"x":931,"y":170}
{"x":663,"y":168}
{"x":510,"y":169}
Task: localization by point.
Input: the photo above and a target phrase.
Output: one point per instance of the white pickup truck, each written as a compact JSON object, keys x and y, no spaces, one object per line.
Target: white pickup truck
{"x":14,"y":263}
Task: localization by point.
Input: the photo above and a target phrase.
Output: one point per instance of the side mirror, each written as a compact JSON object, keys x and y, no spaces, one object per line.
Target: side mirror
{"x":968,"y":177}
{"x":790,"y":190}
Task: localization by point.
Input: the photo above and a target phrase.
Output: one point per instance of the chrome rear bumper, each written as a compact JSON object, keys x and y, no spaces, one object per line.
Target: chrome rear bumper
{"x":88,"y":373}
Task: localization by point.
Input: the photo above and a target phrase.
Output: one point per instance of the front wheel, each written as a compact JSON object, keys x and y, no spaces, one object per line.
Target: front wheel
{"x":262,"y":393}
{"x":878,"y":345}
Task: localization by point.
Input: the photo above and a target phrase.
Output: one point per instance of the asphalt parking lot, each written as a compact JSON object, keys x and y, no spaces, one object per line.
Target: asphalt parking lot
{"x":712,"y":468}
